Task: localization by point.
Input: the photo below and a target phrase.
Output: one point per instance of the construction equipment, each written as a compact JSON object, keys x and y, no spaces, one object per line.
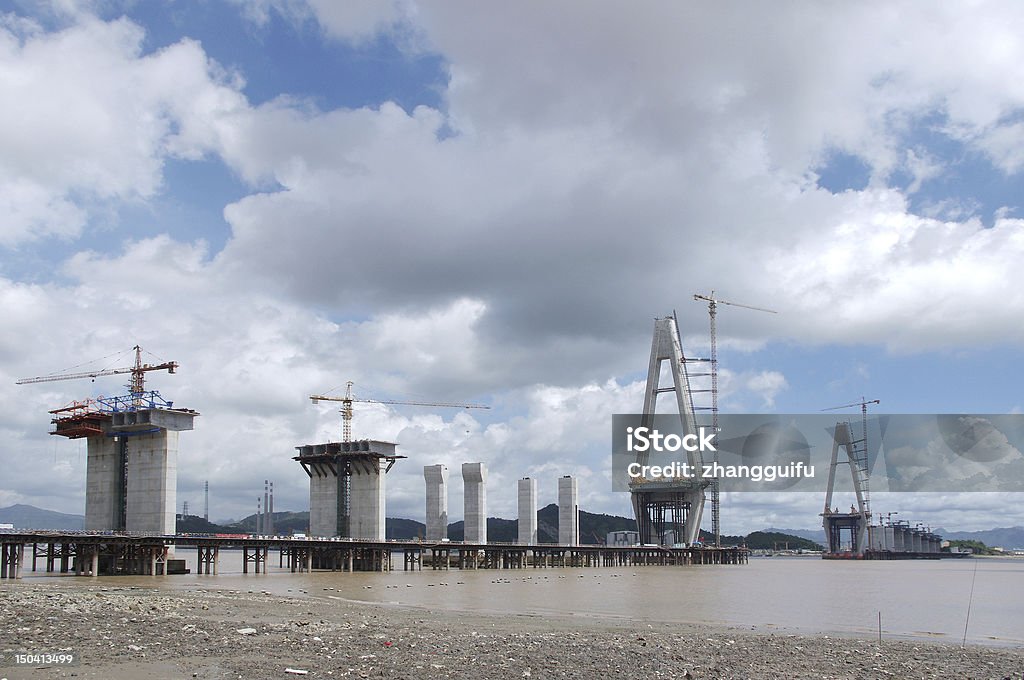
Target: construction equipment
{"x":131,"y":449}
{"x":713,"y":303}
{"x":347,"y":411}
{"x":860,"y":446}
{"x":86,"y":418}
{"x":137,"y":386}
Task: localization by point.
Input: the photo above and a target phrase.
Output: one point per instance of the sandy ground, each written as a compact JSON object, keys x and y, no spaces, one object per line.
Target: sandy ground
{"x":129,"y":633}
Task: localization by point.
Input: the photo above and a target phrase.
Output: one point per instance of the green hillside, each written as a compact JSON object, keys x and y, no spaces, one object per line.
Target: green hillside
{"x":771,"y":540}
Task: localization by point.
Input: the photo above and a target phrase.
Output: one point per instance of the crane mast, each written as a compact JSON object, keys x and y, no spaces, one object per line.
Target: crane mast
{"x":713,"y":302}
{"x":347,"y":412}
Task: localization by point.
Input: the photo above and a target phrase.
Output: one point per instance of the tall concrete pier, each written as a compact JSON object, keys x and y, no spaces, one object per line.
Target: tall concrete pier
{"x":474,"y":479}
{"x":132,"y":470}
{"x":846,"y":532}
{"x":568,"y":511}
{"x":527,"y":511}
{"x":669,"y":512}
{"x":436,"y":477}
{"x":132,"y":450}
{"x":346,"y":487}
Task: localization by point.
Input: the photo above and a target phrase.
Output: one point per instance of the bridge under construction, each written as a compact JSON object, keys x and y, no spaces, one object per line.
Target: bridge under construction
{"x":851,"y":535}
{"x":92,"y":554}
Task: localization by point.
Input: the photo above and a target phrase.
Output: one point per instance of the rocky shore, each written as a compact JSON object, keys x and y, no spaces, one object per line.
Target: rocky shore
{"x":139,"y":632}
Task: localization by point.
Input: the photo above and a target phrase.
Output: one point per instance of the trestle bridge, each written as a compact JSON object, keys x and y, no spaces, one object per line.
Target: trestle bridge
{"x":96,"y":554}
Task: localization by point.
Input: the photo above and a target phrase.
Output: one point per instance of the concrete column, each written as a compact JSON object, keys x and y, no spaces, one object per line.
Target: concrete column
{"x":527,"y":511}
{"x":367,"y":519}
{"x":323,"y":502}
{"x":876,"y":538}
{"x":152,"y":482}
{"x":102,"y":484}
{"x":436,"y":477}
{"x":474,"y":479}
{"x":568,"y":511}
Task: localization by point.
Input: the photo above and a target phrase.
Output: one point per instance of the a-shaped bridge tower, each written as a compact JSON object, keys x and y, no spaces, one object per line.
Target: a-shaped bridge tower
{"x":668,"y":512}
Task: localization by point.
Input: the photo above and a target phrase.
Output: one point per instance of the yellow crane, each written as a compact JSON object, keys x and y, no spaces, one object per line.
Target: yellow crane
{"x":83,"y":418}
{"x":137,"y":386}
{"x":347,"y":411}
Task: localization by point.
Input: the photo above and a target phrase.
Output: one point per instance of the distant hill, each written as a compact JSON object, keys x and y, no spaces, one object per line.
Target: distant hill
{"x":1008,"y":537}
{"x":816,"y":535}
{"x":284,"y":523}
{"x":31,"y":517}
{"x":399,"y":529}
{"x":593,"y":527}
{"x":771,"y":540}
{"x":192,"y":524}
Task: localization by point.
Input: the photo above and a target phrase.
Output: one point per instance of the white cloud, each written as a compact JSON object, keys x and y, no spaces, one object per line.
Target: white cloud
{"x":90,"y":120}
{"x":767,"y":384}
{"x":602,"y":165}
{"x":354,"y":20}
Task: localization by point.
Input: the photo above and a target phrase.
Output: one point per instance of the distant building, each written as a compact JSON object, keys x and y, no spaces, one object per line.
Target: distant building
{"x":623,"y":538}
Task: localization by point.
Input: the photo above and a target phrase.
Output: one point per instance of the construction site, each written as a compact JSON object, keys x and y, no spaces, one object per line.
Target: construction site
{"x":853,"y":534}
{"x":131,"y":478}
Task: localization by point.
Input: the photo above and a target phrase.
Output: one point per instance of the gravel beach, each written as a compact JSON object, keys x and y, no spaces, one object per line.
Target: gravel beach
{"x":139,"y":632}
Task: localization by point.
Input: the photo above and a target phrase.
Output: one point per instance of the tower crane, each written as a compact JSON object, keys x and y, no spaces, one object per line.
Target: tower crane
{"x":863,"y":443}
{"x":136,"y":387}
{"x":713,"y":303}
{"x":347,"y":411}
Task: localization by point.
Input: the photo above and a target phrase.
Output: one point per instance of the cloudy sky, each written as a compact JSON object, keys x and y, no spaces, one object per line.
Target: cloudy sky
{"x":491,"y":203}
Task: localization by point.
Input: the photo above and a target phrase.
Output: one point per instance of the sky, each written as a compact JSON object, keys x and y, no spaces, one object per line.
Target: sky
{"x":490,"y":203}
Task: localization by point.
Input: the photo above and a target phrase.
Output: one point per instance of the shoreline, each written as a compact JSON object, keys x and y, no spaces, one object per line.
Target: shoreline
{"x":122,"y":631}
